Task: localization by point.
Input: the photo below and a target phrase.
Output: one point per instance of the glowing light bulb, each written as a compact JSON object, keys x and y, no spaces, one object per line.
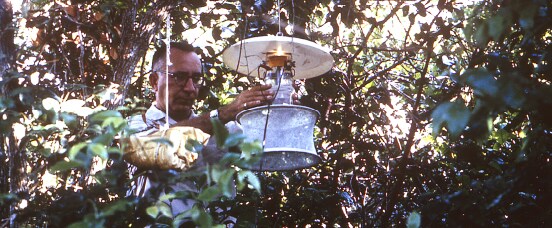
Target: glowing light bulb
{"x":280,"y":52}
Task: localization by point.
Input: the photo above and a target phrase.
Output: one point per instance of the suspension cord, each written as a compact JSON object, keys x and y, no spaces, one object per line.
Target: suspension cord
{"x":293,"y":17}
{"x":279,"y":20}
{"x":167,"y":64}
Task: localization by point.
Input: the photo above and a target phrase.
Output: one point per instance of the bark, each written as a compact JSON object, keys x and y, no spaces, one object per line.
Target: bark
{"x":7,"y":48}
{"x":136,"y":37}
{"x":5,"y":53}
{"x":12,"y":161}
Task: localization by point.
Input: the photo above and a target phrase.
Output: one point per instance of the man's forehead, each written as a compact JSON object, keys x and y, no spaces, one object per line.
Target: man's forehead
{"x":185,"y":57}
{"x":180,"y":59}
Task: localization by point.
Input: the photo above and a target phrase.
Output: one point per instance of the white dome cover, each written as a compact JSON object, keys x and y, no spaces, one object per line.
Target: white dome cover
{"x":311,"y":60}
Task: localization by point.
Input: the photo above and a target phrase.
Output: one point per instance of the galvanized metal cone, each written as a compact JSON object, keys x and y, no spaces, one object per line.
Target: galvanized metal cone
{"x":288,"y":136}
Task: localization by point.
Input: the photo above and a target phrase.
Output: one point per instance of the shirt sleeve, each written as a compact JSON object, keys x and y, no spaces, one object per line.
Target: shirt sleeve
{"x":138,"y":127}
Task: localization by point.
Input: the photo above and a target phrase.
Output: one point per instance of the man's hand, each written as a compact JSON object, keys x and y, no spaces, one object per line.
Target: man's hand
{"x":295,"y":99}
{"x":250,"y":98}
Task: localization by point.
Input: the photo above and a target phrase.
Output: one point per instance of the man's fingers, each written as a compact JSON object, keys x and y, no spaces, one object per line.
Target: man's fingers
{"x":261,"y":93}
{"x":258,"y":95}
{"x":295,"y":99}
{"x":259,"y":98}
{"x":261,"y":87}
{"x":255,"y":96}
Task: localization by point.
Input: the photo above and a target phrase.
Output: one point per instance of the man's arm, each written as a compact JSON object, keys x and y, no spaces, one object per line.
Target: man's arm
{"x":253,"y":97}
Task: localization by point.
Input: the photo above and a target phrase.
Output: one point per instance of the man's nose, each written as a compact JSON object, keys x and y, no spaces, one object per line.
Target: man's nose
{"x":188,"y":84}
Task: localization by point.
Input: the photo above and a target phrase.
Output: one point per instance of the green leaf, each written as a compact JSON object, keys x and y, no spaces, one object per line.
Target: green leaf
{"x":168,"y":196}
{"x":216,"y":172}
{"x":99,"y":117}
{"x":119,"y":205}
{"x":80,"y":224}
{"x":240,"y":185}
{"x":192,"y":213}
{"x":414,"y":220}
{"x":117,"y":122}
{"x":7,"y":198}
{"x":65,"y":165}
{"x":219,"y":131}
{"x":180,"y":219}
{"x":226,"y":183}
{"x":99,"y":150}
{"x":75,"y":149}
{"x":204,"y":220}
{"x":209,"y":194}
{"x":482,"y":81}
{"x":230,"y":158}
{"x":453,"y":115}
{"x":250,"y":149}
{"x":234,"y":140}
{"x":501,"y":136}
{"x":164,"y":209}
{"x":70,"y":120}
{"x":152,"y":211}
{"x":480,"y":35}
{"x":251,"y":178}
{"x":496,"y":26}
{"x":511,"y":94}
{"x":104,"y":139}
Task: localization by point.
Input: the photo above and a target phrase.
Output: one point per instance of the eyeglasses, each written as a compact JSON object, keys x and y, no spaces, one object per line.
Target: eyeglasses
{"x":197,"y":77}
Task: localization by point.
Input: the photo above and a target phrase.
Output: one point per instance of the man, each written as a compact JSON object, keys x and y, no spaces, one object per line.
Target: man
{"x":185,"y":79}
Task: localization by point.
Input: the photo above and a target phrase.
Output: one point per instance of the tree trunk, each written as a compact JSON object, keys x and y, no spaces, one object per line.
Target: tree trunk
{"x":136,"y":37}
{"x":11,"y":159}
{"x":7,"y":47}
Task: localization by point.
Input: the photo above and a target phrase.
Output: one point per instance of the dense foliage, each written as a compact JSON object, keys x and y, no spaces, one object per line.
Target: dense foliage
{"x":436,"y":113}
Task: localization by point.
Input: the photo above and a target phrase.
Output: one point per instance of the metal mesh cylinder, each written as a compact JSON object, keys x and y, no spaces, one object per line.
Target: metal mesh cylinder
{"x":289,"y":142}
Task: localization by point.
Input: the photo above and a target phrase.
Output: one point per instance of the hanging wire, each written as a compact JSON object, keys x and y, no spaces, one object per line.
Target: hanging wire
{"x":244,"y":50}
{"x":292,"y":18}
{"x":279,"y":20}
{"x":279,"y":76}
{"x":167,"y":64}
{"x":293,"y":32}
{"x":282,"y":74}
{"x":268,"y":113}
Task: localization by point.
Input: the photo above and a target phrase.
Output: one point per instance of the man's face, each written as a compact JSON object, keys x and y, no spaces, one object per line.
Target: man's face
{"x":182,"y":91}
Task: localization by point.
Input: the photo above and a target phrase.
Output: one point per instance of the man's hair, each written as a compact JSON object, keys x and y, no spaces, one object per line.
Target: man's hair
{"x":161,"y":52}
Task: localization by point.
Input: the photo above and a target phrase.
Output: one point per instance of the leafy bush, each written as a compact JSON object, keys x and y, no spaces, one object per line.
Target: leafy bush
{"x":435,"y":113}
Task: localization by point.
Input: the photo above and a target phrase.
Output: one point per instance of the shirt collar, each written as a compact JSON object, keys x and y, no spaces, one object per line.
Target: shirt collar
{"x":155,"y":114}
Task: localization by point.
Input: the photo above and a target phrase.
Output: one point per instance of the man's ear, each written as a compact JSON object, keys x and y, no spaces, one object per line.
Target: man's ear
{"x":153,"y":78}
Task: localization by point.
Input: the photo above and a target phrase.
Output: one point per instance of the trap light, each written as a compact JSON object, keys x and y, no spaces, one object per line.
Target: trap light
{"x":286,"y":129}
